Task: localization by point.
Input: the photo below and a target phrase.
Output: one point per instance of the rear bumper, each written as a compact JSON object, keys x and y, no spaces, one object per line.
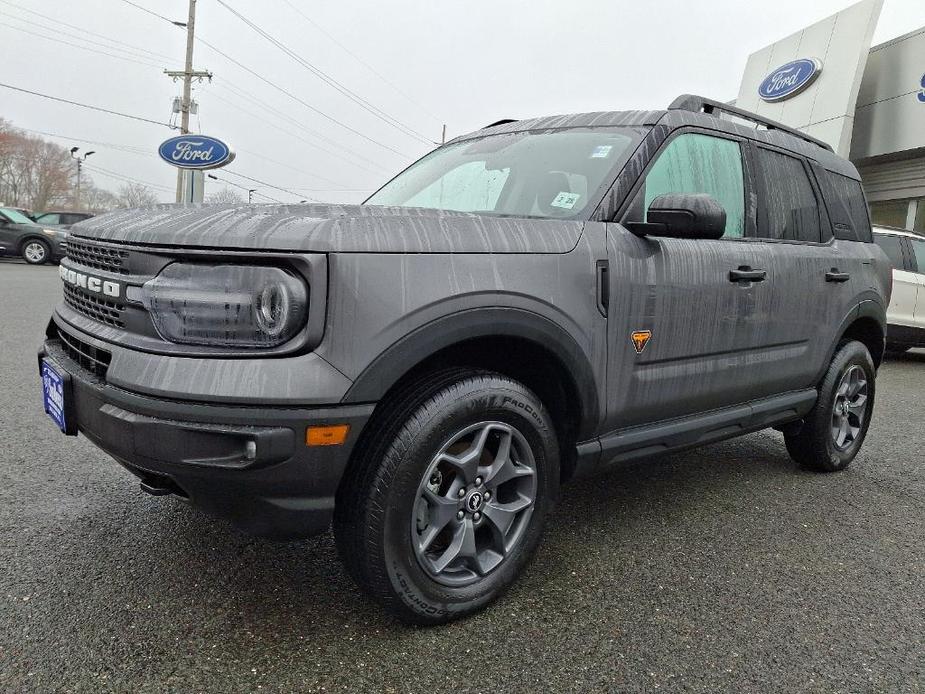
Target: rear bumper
{"x":249,"y":465}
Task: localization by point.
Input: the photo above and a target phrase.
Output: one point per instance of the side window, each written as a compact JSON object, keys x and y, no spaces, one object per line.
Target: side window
{"x":918,"y":250}
{"x":847,"y":205}
{"x":787,"y":206}
{"x":892,"y":246}
{"x":467,"y":187}
{"x":50,"y":218}
{"x":694,"y":163}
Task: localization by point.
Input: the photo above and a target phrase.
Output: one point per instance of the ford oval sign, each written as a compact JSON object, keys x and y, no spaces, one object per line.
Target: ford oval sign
{"x":195,"y":152}
{"x":790,"y":79}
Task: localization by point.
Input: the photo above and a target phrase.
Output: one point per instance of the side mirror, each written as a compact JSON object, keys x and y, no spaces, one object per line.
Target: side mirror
{"x":683,"y":216}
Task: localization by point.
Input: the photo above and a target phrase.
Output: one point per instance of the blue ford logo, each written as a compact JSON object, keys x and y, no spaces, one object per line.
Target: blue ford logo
{"x":921,"y":94}
{"x":195,"y":152}
{"x":789,"y":79}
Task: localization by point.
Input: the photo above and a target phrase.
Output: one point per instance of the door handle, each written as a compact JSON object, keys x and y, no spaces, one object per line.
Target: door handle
{"x":834,"y":275}
{"x":603,"y":287}
{"x":747,"y":274}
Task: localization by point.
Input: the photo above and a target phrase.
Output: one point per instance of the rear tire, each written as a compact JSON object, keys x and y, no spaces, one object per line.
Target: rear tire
{"x":448,"y":499}
{"x":834,"y":430}
{"x":36,"y":252}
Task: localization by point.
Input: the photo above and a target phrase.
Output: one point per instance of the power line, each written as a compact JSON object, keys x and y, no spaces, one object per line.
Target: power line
{"x":272,"y":84}
{"x":330,"y":81}
{"x":119,"y":176}
{"x":88,"y":106}
{"x":268,"y":185}
{"x":279,"y":114}
{"x":129,"y":149}
{"x":74,"y":45}
{"x":154,"y":14}
{"x":362,"y":62}
{"x":137,"y":49}
{"x":301,"y":101}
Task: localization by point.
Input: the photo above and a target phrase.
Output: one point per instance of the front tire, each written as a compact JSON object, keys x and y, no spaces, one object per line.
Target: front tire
{"x":36,"y":252}
{"x":449,"y":498}
{"x":834,"y":430}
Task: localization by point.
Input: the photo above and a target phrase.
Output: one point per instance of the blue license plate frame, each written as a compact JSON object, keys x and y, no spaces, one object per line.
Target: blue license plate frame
{"x":57,"y":396}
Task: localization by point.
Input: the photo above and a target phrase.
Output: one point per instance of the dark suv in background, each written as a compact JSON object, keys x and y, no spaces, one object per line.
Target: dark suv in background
{"x":21,"y":236}
{"x":533,"y":301}
{"x":65,"y":218}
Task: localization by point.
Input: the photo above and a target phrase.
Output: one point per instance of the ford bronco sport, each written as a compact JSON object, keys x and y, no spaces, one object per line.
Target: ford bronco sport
{"x":536,"y":300}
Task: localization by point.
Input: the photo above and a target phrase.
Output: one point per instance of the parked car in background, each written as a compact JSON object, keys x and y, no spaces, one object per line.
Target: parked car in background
{"x":62,"y":218}
{"x":906,"y":315}
{"x":20,"y":236}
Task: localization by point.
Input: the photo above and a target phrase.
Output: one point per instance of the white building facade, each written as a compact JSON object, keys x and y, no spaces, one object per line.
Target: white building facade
{"x":867,"y":102}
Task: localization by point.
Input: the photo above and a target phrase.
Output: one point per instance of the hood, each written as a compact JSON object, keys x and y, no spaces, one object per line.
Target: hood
{"x":331,"y":229}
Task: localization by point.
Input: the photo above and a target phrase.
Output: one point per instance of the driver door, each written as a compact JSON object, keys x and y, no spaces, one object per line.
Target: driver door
{"x":679,"y":295}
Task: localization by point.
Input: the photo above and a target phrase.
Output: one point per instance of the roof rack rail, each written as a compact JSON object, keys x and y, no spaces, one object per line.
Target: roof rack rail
{"x":700,"y":104}
{"x":503,"y":121}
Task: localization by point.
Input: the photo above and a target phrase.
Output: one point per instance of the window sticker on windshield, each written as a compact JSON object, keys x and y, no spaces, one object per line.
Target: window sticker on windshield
{"x":601,"y":152}
{"x":565,"y":200}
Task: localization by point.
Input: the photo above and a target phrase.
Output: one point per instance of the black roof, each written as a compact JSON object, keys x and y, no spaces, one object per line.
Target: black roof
{"x":690,"y":110}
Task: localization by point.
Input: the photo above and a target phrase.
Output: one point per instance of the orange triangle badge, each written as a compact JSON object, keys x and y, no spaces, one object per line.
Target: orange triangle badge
{"x":641,"y":339}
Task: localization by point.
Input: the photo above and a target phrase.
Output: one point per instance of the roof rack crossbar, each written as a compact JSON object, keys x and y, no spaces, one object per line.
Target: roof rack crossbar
{"x":700,"y":104}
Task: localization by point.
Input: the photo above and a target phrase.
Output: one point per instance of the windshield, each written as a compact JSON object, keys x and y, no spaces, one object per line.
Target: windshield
{"x":550,"y":174}
{"x":15,"y":216}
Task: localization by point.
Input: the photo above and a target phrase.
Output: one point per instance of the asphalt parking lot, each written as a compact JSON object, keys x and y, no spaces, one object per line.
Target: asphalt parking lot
{"x":722,"y":569}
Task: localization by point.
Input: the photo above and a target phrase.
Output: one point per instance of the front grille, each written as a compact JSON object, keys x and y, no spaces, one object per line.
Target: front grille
{"x":91,"y":358}
{"x":98,"y":257}
{"x":102,"y":310}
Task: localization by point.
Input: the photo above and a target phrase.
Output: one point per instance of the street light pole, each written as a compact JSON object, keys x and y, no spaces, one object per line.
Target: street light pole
{"x":80,"y":160}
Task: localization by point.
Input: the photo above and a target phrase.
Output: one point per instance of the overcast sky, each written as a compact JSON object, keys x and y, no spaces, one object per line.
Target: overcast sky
{"x":465,"y":64}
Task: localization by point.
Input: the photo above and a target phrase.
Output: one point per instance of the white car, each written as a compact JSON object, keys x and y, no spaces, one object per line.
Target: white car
{"x":906,"y":314}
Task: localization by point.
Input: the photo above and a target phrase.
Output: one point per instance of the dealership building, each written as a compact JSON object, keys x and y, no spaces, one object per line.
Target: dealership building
{"x":867,"y":102}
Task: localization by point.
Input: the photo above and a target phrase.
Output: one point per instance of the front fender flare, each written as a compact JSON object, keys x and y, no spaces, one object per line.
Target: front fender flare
{"x":402,"y":356}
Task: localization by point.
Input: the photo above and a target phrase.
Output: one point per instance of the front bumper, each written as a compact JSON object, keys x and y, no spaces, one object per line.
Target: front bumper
{"x":249,"y":465}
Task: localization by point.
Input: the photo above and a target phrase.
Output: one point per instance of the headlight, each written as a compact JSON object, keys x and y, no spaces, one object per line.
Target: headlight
{"x":226,"y":305}
{"x":51,"y":232}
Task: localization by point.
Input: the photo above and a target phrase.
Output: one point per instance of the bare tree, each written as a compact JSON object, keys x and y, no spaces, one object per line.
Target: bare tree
{"x":34,"y":173}
{"x":97,"y":200}
{"x":226,"y":195}
{"x":135,"y":195}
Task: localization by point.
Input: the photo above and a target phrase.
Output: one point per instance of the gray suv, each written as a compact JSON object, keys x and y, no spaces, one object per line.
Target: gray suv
{"x":533,"y":301}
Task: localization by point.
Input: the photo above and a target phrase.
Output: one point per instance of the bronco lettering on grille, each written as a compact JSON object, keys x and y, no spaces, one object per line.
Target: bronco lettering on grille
{"x":90,"y":283}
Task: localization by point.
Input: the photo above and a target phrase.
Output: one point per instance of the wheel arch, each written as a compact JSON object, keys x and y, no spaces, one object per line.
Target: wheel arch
{"x":517,"y":343}
{"x":866,"y":324}
{"x":33,"y":237}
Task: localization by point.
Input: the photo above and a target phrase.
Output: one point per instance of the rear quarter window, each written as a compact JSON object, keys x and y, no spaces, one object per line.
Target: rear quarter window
{"x":847,"y":206}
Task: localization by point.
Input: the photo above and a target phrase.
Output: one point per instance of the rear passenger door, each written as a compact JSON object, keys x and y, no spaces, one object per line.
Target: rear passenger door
{"x":814,"y":277}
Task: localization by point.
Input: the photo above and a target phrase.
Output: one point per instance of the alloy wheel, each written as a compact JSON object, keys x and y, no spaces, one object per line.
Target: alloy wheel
{"x":474,"y":503}
{"x":34,"y":252}
{"x":849,"y":408}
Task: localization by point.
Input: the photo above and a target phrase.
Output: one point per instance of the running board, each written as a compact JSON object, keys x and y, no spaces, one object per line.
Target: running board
{"x":695,"y":430}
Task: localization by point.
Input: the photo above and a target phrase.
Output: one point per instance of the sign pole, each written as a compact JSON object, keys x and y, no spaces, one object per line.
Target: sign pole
{"x":187,"y":76}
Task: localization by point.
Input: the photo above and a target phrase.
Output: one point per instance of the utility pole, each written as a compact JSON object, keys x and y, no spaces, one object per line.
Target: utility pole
{"x":187,"y":75}
{"x":443,"y":139}
{"x":80,"y":160}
